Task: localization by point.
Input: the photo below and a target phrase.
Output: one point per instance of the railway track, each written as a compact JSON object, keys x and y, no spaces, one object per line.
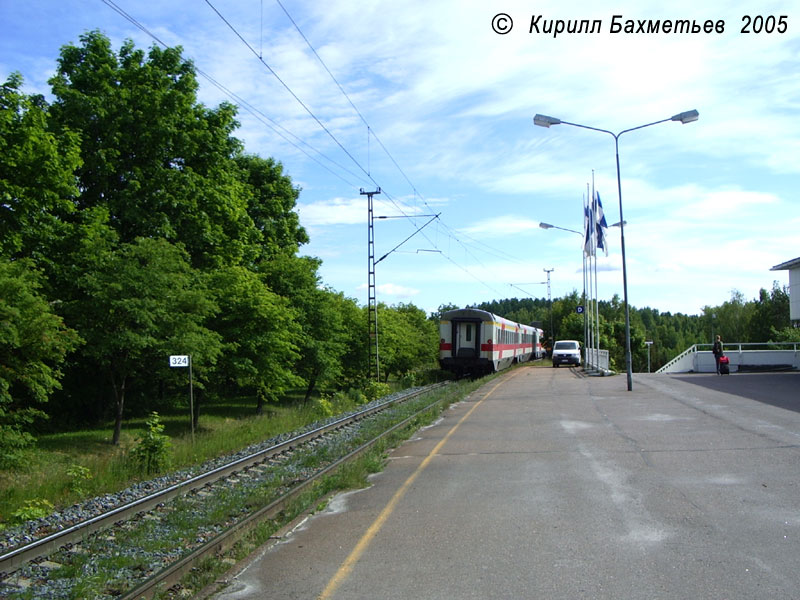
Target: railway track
{"x":225,"y":502}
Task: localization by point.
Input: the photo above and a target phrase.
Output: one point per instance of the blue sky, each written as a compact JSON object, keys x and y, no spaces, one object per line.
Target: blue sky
{"x":443,"y":124}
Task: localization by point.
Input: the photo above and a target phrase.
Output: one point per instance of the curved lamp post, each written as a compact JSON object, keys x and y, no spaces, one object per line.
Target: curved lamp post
{"x":548,"y":226}
{"x":685,"y":117}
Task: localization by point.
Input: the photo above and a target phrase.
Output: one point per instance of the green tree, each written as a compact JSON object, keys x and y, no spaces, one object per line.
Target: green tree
{"x":159,"y":162}
{"x":733,"y":318}
{"x":787,"y":334}
{"x":770,"y":312}
{"x":259,"y":333}
{"x":571,"y":327}
{"x":407,"y":340}
{"x":272,"y":198}
{"x":325,"y":339}
{"x":565,"y":324}
{"x":139,"y":303}
{"x":354,"y":360}
{"x":33,"y":345}
{"x":37,"y":181}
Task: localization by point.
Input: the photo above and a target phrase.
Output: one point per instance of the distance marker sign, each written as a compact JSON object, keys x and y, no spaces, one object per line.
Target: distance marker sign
{"x":179,"y":360}
{"x":185,"y":360}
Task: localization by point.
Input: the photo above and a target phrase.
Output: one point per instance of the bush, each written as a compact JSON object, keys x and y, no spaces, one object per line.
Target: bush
{"x":78,"y":476}
{"x":32,"y":509}
{"x":13,"y":444}
{"x":151,"y":452}
{"x":374,"y":389}
{"x":324,"y":407}
{"x":356,"y":396}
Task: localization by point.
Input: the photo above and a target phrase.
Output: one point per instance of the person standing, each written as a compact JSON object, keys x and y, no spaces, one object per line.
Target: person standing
{"x":717,"y":350}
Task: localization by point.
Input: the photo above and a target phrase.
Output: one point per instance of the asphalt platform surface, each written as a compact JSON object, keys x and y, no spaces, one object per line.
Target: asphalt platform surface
{"x":546,"y":484}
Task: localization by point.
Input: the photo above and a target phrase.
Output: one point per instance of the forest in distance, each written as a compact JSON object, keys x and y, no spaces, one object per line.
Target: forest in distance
{"x":759,"y":320}
{"x":134,"y":225}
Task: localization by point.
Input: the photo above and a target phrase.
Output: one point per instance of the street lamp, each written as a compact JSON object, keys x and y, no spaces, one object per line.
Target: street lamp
{"x":685,"y":117}
{"x":548,"y":226}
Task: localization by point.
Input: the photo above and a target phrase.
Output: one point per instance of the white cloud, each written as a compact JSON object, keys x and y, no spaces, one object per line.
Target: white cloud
{"x":337,"y":211}
{"x":503,"y":225}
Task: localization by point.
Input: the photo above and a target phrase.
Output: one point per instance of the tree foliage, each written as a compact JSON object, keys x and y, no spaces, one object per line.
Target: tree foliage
{"x":37,"y":164}
{"x":258,"y":332}
{"x":139,"y":303}
{"x":140,"y":226}
{"x":158,"y":161}
{"x":33,"y":345}
{"x":408,"y":341}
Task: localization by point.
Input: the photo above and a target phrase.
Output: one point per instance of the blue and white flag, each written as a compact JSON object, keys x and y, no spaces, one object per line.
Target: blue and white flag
{"x":589,"y":229}
{"x":601,"y":226}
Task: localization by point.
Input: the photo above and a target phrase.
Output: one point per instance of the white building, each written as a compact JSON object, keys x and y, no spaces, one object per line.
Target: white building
{"x":793,"y":266}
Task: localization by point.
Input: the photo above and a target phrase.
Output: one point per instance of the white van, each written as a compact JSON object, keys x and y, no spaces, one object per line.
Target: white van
{"x":567,"y":352}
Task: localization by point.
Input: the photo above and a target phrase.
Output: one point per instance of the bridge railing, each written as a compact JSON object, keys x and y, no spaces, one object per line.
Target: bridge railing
{"x":743,"y":356}
{"x":596,"y":359}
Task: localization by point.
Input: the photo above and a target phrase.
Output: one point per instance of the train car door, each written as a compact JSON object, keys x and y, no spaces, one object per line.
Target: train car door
{"x":466,"y":338}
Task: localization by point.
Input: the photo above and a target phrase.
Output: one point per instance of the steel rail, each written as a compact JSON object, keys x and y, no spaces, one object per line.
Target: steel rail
{"x":172,"y":574}
{"x":42,"y":547}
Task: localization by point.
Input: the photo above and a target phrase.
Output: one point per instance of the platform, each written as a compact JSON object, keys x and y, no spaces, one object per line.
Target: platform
{"x":546,"y":484}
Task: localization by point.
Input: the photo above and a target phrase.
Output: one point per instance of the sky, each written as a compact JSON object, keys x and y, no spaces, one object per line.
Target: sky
{"x":433,"y":103}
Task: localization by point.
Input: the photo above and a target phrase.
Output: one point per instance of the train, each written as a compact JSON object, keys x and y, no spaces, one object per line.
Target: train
{"x":477,"y":342}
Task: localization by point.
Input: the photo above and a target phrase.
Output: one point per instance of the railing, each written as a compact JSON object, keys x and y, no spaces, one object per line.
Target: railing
{"x":596,"y":359}
{"x":684,"y":355}
{"x":698,"y":358}
{"x":740,"y":346}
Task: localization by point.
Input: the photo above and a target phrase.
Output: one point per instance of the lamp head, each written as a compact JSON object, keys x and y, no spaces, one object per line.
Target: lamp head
{"x":545,"y":225}
{"x":687,"y":117}
{"x":545,"y":121}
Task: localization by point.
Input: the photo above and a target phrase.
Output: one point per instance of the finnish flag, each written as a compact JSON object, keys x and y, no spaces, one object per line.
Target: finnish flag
{"x":601,"y":225}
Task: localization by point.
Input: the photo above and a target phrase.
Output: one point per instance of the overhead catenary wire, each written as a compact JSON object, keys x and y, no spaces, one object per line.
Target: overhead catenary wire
{"x":276,"y":127}
{"x":345,"y":94}
{"x":290,"y":90}
{"x":283,"y":132}
{"x":295,"y":96}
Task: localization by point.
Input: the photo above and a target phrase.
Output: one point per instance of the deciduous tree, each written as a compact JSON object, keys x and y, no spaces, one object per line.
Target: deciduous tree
{"x":161,"y":163}
{"x":33,"y":345}
{"x":139,"y":303}
{"x":37,"y":181}
{"x":259,"y":333}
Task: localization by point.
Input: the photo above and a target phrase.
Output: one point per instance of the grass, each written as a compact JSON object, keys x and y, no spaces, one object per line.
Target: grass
{"x":66,"y":467}
{"x":95,"y":573}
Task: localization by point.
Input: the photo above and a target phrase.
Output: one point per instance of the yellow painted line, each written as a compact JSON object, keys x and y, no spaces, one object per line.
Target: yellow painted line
{"x":362,"y":545}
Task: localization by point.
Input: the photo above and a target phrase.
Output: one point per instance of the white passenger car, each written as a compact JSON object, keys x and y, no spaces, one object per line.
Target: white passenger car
{"x":475,"y":341}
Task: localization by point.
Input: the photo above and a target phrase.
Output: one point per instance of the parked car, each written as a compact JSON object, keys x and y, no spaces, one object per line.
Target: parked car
{"x":566,"y":352}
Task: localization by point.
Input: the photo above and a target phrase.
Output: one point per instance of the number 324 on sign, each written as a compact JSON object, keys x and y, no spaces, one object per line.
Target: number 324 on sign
{"x":179,"y":360}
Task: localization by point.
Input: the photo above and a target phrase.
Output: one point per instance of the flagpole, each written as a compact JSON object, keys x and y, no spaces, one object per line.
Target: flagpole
{"x":584,"y":299}
{"x":596,"y":313}
{"x":589,"y":247}
{"x":593,"y":267}
{"x":596,"y":294}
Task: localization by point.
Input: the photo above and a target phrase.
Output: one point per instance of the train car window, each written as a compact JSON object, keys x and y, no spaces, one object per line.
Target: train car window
{"x":469,"y":333}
